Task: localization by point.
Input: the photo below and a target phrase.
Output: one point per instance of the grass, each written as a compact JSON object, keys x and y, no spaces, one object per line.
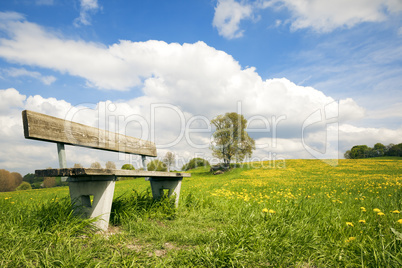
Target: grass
{"x":303,"y":214}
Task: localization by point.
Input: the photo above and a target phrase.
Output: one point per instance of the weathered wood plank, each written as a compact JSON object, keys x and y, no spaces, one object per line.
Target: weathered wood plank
{"x":82,"y":172}
{"x":43,"y":127}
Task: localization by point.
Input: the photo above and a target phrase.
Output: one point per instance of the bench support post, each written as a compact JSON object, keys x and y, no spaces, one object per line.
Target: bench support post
{"x":100,"y":190}
{"x":61,"y":152}
{"x":171,"y":186}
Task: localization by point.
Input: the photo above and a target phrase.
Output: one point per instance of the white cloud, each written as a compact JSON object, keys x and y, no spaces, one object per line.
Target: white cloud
{"x":188,"y":80}
{"x":17,"y":72}
{"x":86,"y":7}
{"x":228,"y":15}
{"x":321,"y":16}
{"x":325,"y":16}
{"x":10,"y":99}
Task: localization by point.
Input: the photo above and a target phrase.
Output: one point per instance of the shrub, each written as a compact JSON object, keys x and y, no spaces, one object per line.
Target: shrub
{"x":24,"y":186}
{"x":128,"y":167}
{"x":77,"y":165}
{"x":156,"y":165}
{"x":194,"y":163}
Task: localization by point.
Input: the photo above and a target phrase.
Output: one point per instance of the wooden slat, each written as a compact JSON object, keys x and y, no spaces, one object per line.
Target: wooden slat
{"x":82,"y":172}
{"x":43,"y":127}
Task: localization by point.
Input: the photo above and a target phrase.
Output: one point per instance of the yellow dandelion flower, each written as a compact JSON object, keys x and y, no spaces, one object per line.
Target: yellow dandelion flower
{"x":348,"y":223}
{"x":362,"y":221}
{"x":272,"y":211}
{"x":376,"y":210}
{"x":395,"y":211}
{"x":265,"y":210}
{"x":363,"y":209}
{"x":399,"y":221}
{"x":380,"y":214}
{"x":352,"y":238}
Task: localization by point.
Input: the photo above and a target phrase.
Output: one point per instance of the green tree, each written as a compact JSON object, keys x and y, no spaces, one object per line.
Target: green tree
{"x":395,"y":150}
{"x":379,"y":149}
{"x":156,"y":165}
{"x":231,"y":140}
{"x":194,"y":163}
{"x":127,"y":167}
{"x":360,"y":151}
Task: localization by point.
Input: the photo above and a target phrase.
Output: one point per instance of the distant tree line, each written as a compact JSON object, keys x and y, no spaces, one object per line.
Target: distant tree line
{"x":379,"y":149}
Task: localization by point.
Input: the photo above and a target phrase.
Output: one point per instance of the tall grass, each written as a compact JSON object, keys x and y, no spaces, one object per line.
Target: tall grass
{"x":304,"y":214}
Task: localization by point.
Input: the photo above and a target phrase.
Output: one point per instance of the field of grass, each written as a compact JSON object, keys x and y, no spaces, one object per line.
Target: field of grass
{"x":302,"y":214}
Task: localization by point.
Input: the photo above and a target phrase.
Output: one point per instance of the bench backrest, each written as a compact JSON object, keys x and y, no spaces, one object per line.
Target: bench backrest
{"x":43,"y":127}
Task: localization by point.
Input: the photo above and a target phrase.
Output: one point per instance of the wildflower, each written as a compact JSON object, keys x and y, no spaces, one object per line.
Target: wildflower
{"x":399,"y":221}
{"x":380,"y":214}
{"x":352,"y":238}
{"x":362,"y":221}
{"x":376,"y":210}
{"x":265,"y":210}
{"x":363,"y":209}
{"x":349,"y":223}
{"x":272,"y":211}
{"x":395,"y":211}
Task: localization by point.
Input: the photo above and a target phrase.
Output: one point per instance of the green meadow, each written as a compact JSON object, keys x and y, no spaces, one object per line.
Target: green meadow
{"x":302,"y":213}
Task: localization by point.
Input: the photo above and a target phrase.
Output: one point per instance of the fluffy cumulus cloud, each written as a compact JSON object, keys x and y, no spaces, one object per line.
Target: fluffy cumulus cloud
{"x":184,"y":86}
{"x":228,"y":15}
{"x":321,"y":16}
{"x":325,"y":16}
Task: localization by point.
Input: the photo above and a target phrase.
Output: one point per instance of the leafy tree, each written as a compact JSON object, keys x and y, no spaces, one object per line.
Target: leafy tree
{"x":110,"y":165}
{"x":347,"y":154}
{"x":379,"y":149}
{"x":16,"y":178}
{"x":6,"y":181}
{"x":96,"y":165}
{"x":359,"y":151}
{"x":156,"y":165}
{"x":194,"y":163}
{"x":9,"y":181}
{"x":24,"y":186}
{"x":128,"y":167}
{"x":230,"y":140}
{"x":77,"y":165}
{"x":169,"y":159}
{"x":395,"y":150}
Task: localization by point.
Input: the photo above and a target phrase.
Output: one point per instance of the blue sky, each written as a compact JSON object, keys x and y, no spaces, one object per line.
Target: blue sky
{"x":279,"y":60}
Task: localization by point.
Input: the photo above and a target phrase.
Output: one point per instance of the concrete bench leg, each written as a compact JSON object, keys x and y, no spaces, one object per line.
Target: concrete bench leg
{"x":171,"y":186}
{"x":102,"y":191}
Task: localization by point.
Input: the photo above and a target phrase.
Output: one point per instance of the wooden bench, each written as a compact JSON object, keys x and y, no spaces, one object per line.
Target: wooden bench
{"x":87,"y":184}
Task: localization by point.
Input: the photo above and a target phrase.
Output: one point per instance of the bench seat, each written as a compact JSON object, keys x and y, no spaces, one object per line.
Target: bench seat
{"x":83,"y":172}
